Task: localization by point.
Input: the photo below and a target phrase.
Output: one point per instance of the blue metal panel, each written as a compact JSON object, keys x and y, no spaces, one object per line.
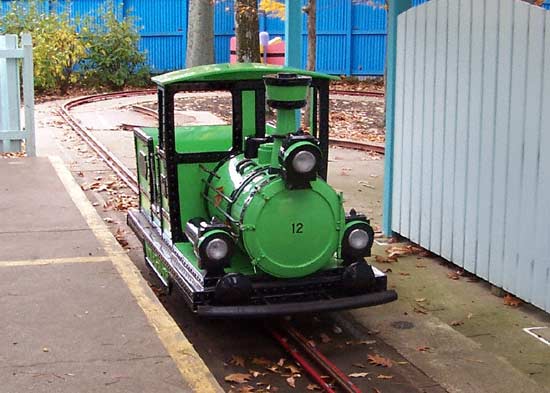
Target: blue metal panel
{"x":164,"y":34}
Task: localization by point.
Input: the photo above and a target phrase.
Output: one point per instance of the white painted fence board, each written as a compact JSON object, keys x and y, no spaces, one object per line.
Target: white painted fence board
{"x":398,"y":136}
{"x":531,"y":142}
{"x":418,"y":125}
{"x":487,"y":138}
{"x":473,"y":136}
{"x":461,"y":134}
{"x":10,"y":96}
{"x":504,"y":72}
{"x":408,"y":113}
{"x":428,"y":128}
{"x":517,"y":122}
{"x":441,"y":7}
{"x":541,"y":285}
{"x":450,"y":129}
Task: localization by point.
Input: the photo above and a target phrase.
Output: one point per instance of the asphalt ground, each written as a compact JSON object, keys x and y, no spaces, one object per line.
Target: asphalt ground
{"x":465,"y":348}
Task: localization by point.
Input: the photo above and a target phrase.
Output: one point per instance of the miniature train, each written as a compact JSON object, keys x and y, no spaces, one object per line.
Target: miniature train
{"x":240,"y":216}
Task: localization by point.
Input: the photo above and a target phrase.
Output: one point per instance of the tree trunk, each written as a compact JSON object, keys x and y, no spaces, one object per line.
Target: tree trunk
{"x":311,"y":11}
{"x":247,"y":31}
{"x":200,"y":33}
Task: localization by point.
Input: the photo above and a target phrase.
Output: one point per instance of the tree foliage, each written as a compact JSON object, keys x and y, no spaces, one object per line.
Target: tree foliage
{"x":57,"y":47}
{"x":113,"y":58}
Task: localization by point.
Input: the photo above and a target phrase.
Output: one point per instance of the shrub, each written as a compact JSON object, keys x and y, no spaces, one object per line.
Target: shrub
{"x":57,"y":47}
{"x":112,"y":56}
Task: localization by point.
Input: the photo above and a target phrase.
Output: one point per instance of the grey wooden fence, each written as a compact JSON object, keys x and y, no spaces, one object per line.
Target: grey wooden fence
{"x":11,"y":131}
{"x":472,"y":139}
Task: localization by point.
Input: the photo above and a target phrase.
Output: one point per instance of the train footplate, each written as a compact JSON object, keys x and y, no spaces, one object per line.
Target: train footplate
{"x":269,"y":296}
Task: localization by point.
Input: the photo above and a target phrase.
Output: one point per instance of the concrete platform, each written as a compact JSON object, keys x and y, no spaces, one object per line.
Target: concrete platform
{"x":76,"y":315}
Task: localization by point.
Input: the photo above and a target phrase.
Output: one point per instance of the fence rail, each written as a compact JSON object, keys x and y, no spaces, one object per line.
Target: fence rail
{"x":12,"y":134}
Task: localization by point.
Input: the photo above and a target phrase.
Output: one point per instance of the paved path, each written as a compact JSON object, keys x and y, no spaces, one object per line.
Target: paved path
{"x":76,"y":316}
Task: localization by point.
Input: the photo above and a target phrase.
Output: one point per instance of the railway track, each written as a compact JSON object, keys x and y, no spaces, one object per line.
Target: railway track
{"x":302,"y":350}
{"x":344,"y":143}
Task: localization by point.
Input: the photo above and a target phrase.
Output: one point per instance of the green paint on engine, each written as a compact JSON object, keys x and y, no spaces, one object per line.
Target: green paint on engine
{"x":157,"y":263}
{"x":286,"y":233}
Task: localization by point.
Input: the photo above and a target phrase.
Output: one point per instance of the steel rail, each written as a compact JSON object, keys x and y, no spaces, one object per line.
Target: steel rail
{"x":344,"y":143}
{"x":301,"y":360}
{"x":360,"y":93}
{"x":308,"y":347}
{"x":103,"y":152}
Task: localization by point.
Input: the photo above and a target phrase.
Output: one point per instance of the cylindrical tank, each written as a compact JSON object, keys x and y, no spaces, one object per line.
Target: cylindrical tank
{"x":287,"y":233}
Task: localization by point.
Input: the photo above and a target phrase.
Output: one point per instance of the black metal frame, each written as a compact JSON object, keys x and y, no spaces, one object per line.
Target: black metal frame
{"x":167,"y":132}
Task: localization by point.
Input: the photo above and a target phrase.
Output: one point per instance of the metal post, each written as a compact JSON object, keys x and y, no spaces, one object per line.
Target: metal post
{"x":396,"y":7}
{"x":28,"y":93}
{"x":293,"y":33}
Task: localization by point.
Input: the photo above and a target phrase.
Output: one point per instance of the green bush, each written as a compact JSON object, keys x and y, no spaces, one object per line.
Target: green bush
{"x":113,"y":59}
{"x":57,"y":47}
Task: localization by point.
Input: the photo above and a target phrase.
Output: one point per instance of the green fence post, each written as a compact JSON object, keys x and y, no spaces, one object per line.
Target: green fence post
{"x":396,"y":7}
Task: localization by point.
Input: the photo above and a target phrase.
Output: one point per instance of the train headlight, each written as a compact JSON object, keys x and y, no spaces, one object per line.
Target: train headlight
{"x":217,"y":249}
{"x":358,"y":239}
{"x":300,"y":162}
{"x":304,"y":162}
{"x":212,"y":242}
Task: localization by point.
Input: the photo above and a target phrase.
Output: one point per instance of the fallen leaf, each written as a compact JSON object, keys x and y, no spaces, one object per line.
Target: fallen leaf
{"x":45,"y":349}
{"x":419,"y":266}
{"x":358,"y":375}
{"x":281,"y":362}
{"x":382,"y":376}
{"x":337,"y":329}
{"x":360,"y":365}
{"x":313,"y":386}
{"x":470,"y":315}
{"x":274,"y":369}
{"x":237,"y":378}
{"x":80,"y":174}
{"x":325,"y":338}
{"x":511,"y":301}
{"x":293,"y":369}
{"x":237,"y":361}
{"x":404,"y":274}
{"x":255,"y":373}
{"x":388,"y":270}
{"x":291,"y":382}
{"x":262,"y":362}
{"x":457,"y":323}
{"x":453,"y":276}
{"x":420,"y":300}
{"x":244,"y":389}
{"x":381,"y":259}
{"x":375,"y":390}
{"x":378,"y":360}
{"x":120,"y":236}
{"x":419,"y":310}
{"x":108,"y":220}
{"x":423,"y":349}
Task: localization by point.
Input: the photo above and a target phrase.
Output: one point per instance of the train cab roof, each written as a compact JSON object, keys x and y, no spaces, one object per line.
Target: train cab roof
{"x":230,"y":72}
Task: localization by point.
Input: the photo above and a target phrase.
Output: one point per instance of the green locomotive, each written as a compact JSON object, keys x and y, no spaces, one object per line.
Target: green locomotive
{"x":240,"y":216}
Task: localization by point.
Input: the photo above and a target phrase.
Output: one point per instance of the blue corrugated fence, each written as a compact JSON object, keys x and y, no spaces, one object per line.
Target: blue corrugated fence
{"x":351,"y":36}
